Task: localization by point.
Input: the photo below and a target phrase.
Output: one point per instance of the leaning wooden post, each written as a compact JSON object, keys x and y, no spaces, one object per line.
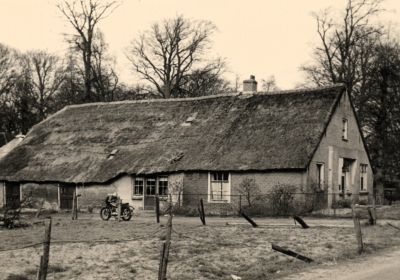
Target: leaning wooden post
{"x":39,"y":272}
{"x":119,"y":209}
{"x":167,"y":244}
{"x":357,"y":228}
{"x":201,"y":212}
{"x":254,"y":224}
{"x":157,"y":200}
{"x":46,"y":251}
{"x":73,"y":205}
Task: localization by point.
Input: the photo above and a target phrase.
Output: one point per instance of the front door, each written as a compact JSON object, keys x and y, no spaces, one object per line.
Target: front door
{"x":12,"y":195}
{"x":66,"y":197}
{"x":150,"y":193}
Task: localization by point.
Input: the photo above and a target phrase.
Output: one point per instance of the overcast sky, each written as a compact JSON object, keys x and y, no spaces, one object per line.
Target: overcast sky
{"x":260,"y":37}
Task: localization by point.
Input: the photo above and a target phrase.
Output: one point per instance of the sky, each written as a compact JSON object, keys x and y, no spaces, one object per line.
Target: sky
{"x":259,"y":37}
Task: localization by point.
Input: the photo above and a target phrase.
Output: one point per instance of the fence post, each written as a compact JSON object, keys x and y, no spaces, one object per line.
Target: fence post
{"x":164,"y":261}
{"x":240,"y":204}
{"x":119,"y":209}
{"x":73,"y":205}
{"x":357,"y":228}
{"x":44,"y":260}
{"x":157,"y":200}
{"x":201,"y":212}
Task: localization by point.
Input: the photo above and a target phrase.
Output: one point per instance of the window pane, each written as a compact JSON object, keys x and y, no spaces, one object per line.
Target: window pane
{"x":138,"y":190}
{"x":163,"y":185}
{"x":150,"y":186}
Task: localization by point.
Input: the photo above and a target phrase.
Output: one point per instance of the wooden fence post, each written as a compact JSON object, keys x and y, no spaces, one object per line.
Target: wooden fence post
{"x":201,"y":212}
{"x":164,"y":261}
{"x":240,"y":204}
{"x":157,"y":200}
{"x":44,"y":261}
{"x":39,"y":272}
{"x":291,"y":253}
{"x":73,"y":205}
{"x":357,"y":228}
{"x":249,"y":219}
{"x":119,"y":209}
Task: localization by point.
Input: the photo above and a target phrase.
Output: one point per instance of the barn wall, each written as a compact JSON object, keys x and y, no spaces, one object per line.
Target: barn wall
{"x":333,"y":147}
{"x":93,"y":196}
{"x":196,"y":187}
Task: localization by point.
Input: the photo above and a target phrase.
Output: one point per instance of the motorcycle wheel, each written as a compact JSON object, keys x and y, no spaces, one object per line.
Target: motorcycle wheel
{"x":105,"y":213}
{"x":126,"y":214}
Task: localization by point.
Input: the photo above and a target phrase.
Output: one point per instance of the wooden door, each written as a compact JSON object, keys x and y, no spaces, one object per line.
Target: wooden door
{"x":12,"y":195}
{"x":150,"y":193}
{"x":66,"y":197}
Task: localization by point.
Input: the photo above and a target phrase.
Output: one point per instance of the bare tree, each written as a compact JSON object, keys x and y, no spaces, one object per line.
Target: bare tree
{"x":166,"y":54}
{"x":84,"y":16}
{"x":344,"y":50}
{"x":46,"y":75}
{"x":105,"y":79}
{"x":269,"y":84}
{"x":249,"y":189}
{"x":7,"y":69}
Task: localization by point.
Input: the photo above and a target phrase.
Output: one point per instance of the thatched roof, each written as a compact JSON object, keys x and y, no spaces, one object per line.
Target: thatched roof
{"x":5,"y":149}
{"x":100,"y":141}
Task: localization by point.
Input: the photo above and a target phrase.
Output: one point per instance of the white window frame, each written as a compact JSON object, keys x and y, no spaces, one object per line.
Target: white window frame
{"x":162,"y":179}
{"x":320,"y":175}
{"x":363,"y":177}
{"x":134,"y":194}
{"x":228,"y":195}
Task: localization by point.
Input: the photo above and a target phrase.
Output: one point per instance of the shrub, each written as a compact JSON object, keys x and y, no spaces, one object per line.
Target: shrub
{"x":281,"y":199}
{"x":342,"y":203}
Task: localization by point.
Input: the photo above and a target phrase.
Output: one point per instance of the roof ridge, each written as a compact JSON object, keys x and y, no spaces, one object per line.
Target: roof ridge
{"x":231,"y":94}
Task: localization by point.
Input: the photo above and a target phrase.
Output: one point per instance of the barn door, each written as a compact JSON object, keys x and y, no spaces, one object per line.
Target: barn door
{"x":66,"y":197}
{"x":12,"y":195}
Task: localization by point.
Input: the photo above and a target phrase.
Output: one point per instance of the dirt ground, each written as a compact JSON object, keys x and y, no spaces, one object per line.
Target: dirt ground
{"x":86,"y":248}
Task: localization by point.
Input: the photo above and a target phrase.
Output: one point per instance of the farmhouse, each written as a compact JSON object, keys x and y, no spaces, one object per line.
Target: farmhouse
{"x":193,"y":148}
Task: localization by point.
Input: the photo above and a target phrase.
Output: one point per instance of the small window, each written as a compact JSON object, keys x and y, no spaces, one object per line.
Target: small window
{"x":138,"y":188}
{"x":220,"y":177}
{"x":345,"y":129}
{"x":163,"y":185}
{"x":363,"y":177}
{"x":320,"y":175}
{"x":219,"y":187}
{"x":150,"y":186}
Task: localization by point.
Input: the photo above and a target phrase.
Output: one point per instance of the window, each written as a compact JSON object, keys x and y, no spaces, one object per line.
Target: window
{"x":363,"y":177}
{"x":219,"y":187}
{"x":345,"y":129}
{"x":150,"y":186}
{"x":138,"y":188}
{"x":320,"y":175}
{"x":163,"y":185}
{"x":346,"y":174}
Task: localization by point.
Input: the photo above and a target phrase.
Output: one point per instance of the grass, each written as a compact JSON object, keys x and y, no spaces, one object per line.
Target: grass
{"x":223,"y":248}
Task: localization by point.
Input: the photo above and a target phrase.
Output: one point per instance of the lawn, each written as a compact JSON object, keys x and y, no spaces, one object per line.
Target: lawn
{"x":224,"y":247}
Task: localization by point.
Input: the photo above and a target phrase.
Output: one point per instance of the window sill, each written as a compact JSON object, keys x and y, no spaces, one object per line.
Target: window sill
{"x":137,"y":197}
{"x":363,"y":192}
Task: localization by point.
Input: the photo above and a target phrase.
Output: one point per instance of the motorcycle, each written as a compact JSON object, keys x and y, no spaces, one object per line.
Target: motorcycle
{"x":111,"y":209}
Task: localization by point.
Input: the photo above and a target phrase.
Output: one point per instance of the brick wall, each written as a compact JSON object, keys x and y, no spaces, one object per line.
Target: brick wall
{"x":333,"y":147}
{"x":196,"y":187}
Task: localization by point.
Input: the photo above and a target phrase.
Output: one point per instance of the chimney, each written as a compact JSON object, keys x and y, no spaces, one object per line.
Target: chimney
{"x":250,"y":85}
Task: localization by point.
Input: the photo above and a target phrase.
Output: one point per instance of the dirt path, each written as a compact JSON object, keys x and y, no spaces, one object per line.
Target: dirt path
{"x":385,"y":265}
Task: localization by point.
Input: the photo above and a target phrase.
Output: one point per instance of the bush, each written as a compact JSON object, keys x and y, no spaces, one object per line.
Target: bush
{"x":342,"y":203}
{"x":281,"y":199}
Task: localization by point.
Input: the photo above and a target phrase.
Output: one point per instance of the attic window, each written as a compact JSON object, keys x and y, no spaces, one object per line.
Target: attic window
{"x":112,"y":154}
{"x":190,"y":119}
{"x":345,"y":129}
